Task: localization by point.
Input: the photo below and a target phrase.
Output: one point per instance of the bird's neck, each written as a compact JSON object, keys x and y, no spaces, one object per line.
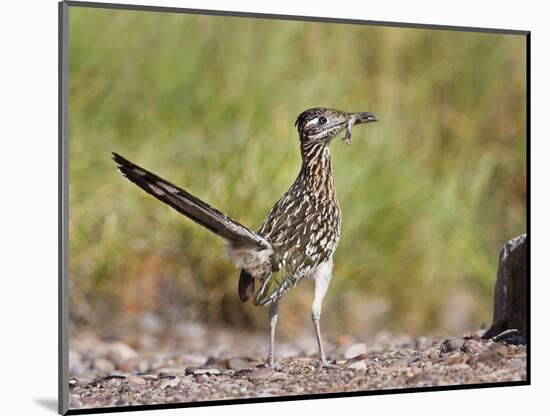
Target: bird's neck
{"x":316,"y":172}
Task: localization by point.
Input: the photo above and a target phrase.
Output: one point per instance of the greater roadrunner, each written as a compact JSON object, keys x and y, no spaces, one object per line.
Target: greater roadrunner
{"x":299,"y":235}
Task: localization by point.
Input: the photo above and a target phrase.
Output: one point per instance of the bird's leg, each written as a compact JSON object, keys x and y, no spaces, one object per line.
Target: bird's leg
{"x":317,"y":326}
{"x":273,"y":316}
{"x":322,"y":279}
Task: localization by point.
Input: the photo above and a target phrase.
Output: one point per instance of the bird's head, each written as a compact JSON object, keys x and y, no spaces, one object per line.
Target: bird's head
{"x":323,"y":124}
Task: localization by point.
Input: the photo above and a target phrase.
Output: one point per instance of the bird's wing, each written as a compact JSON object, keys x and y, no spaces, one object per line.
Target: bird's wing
{"x":241,"y":240}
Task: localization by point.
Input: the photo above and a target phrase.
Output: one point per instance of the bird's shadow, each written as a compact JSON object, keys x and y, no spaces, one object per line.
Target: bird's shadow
{"x":50,"y":404}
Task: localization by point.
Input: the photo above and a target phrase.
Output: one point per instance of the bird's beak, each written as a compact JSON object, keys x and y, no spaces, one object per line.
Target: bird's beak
{"x":357,"y":118}
{"x":360,"y":118}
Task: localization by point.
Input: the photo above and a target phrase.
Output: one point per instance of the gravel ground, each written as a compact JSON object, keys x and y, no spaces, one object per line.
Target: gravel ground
{"x":112,"y":373}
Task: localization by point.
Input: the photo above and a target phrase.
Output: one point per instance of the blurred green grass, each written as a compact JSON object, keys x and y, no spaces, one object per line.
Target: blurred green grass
{"x":429,"y":194}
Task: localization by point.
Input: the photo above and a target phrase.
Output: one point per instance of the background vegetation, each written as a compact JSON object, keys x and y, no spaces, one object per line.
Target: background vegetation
{"x":429,"y":194}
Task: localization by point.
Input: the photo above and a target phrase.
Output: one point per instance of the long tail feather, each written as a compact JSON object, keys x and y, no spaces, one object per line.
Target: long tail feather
{"x":237,"y":235}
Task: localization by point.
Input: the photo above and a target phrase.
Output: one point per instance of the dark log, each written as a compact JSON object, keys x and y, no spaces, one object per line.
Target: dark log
{"x":510,"y":299}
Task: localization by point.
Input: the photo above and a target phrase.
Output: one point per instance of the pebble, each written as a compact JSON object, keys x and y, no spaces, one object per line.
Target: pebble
{"x":493,"y":356}
{"x":157,"y":377}
{"x":357,"y":365}
{"x":120,"y":352}
{"x":103,"y":365}
{"x":499,"y":350}
{"x":355,"y":350}
{"x":210,"y":371}
{"x":278,"y":376}
{"x":459,"y":366}
{"x":403,"y":362}
{"x":195,"y":359}
{"x":303,"y":359}
{"x":261,"y":373}
{"x":190,"y":370}
{"x":421,"y":343}
{"x":136,"y":380}
{"x":517,"y":363}
{"x":202,"y":378}
{"x":472,"y":346}
{"x":451,"y":345}
{"x":400,"y":370}
{"x":216,"y":363}
{"x":186,"y":380}
{"x":171,"y":371}
{"x":418,"y":378}
{"x":169,"y":383}
{"x":239,"y":364}
{"x":458,"y":359}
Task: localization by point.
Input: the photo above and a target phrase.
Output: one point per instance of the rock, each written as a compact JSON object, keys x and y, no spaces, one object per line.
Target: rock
{"x":401,"y":370}
{"x":210,"y":371}
{"x":172,"y":371}
{"x":133,"y":365}
{"x":190,"y":370}
{"x":418,"y":378}
{"x":517,"y":363}
{"x":451,"y":345}
{"x":186,"y":380}
{"x":472,"y":347}
{"x":261,"y":373}
{"x":498,"y":350}
{"x":239,"y":364}
{"x":357,"y":365}
{"x":169,"y":383}
{"x":110,"y":377}
{"x":136,"y":380}
{"x":459,"y":359}
{"x":493,"y":356}
{"x":303,"y":359}
{"x":119,"y":352}
{"x":355,"y":350}
{"x":421,"y":343}
{"x":217,"y":363}
{"x":202,"y":378}
{"x":194,"y":359}
{"x":278,"y":376}
{"x":402,"y":362}
{"x":103,"y":365}
{"x":475,"y":335}
{"x":459,"y":366}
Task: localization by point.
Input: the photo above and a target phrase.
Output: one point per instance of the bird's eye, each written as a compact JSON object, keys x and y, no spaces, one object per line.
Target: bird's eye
{"x":323,"y":120}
